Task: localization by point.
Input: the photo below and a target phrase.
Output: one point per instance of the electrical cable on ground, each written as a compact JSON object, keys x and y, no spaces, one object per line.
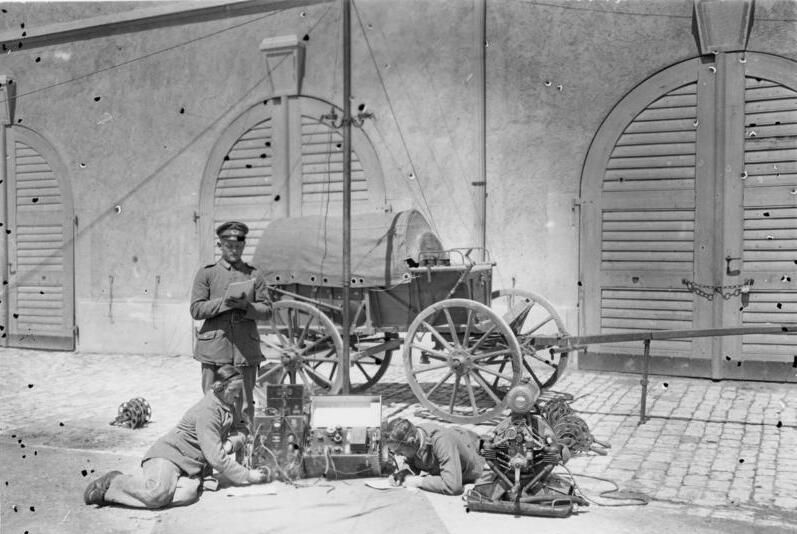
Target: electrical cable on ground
{"x":639,"y":498}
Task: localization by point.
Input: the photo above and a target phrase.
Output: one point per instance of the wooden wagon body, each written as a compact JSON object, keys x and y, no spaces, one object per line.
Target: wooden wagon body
{"x":406,"y":290}
{"x":464,"y":343}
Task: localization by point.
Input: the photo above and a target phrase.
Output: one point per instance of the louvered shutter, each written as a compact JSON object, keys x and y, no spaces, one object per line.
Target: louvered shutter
{"x":244,"y":185}
{"x":648,"y":225}
{"x":40,"y":252}
{"x":770,"y":216}
{"x":322,"y":171}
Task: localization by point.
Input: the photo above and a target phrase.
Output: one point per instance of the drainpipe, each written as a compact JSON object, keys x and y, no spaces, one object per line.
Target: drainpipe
{"x":6,"y":120}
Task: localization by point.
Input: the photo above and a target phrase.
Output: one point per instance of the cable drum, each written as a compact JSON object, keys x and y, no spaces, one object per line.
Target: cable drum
{"x":573,"y":431}
{"x":134,"y":413}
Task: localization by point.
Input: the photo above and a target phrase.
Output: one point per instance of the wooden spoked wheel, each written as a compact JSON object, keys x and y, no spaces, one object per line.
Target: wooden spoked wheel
{"x":301,"y":346}
{"x":460,"y":358}
{"x":529,"y":315}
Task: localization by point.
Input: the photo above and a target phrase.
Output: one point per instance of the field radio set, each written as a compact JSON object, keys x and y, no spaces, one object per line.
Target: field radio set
{"x":345,"y":437}
{"x":337,"y":437}
{"x":280,"y":433}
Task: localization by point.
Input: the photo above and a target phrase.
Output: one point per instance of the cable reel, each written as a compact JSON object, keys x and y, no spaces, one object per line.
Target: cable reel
{"x":134,"y":413}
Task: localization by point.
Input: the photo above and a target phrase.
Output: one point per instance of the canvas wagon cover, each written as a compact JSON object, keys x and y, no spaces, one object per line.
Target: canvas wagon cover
{"x":309,"y":250}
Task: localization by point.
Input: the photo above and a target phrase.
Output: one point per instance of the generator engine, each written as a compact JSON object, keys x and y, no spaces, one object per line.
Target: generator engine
{"x":522,"y":452}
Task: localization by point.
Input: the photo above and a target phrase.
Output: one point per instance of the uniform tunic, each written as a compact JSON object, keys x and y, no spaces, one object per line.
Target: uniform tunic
{"x":450,"y":456}
{"x":196,"y":443}
{"x":227,"y":336}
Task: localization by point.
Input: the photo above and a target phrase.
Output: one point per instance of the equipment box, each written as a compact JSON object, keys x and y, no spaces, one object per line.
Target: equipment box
{"x":345,"y":437}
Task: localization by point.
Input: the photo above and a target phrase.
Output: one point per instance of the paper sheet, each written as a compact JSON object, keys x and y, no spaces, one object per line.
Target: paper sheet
{"x":254,"y":489}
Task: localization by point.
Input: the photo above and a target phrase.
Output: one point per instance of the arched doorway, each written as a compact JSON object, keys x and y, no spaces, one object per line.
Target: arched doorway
{"x":690,"y":218}
{"x":282,"y":158}
{"x":40,"y":310}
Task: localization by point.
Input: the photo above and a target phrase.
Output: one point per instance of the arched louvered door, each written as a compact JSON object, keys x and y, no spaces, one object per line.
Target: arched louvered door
{"x":244,"y":187}
{"x":40,"y":289}
{"x":322,"y":167}
{"x":281,"y":159}
{"x":673,"y":225}
{"x":769,"y":238}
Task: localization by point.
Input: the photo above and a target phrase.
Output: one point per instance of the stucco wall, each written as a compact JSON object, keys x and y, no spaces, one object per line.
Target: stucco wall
{"x":134,"y":117}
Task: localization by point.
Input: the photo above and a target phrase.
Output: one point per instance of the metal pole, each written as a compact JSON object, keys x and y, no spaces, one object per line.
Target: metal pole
{"x":344,"y":357}
{"x":480,"y":9}
{"x":644,"y":382}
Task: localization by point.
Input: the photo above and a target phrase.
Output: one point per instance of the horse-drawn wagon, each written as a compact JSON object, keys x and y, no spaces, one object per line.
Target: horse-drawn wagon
{"x":464,"y":344}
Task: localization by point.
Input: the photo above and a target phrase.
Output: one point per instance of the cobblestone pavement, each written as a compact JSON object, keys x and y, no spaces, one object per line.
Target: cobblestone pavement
{"x":727,"y":450}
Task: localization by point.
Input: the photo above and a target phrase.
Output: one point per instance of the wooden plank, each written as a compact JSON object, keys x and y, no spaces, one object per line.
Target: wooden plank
{"x":666,"y":114}
{"x":770,"y":180}
{"x":769,"y":92}
{"x":635,"y":215}
{"x":633,"y":316}
{"x":641,"y":255}
{"x":764,"y":168}
{"x":143,"y":19}
{"x":645,"y":245}
{"x":664,"y":334}
{"x":649,"y":185}
{"x":643,"y":237}
{"x":245,"y":181}
{"x":772,"y":143}
{"x":677,"y":225}
{"x":784,"y":215}
{"x":647,"y":266}
{"x":680,"y":200}
{"x":769,"y":224}
{"x":673,"y":125}
{"x":771,"y":156}
{"x":650,"y":162}
{"x":774,"y":130}
{"x":633,"y":306}
{"x":767,"y":118}
{"x":675,"y":100}
{"x":632,"y":139}
{"x":254,"y":172}
{"x":647,"y":294}
{"x":776,"y":234}
{"x":771,"y":197}
{"x":659,"y":149}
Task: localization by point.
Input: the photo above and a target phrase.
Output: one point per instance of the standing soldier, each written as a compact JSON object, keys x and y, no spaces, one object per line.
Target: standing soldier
{"x":229,"y":332}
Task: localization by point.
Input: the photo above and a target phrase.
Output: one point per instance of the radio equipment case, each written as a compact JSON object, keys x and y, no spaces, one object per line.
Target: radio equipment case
{"x":345,"y":437}
{"x":280,"y":433}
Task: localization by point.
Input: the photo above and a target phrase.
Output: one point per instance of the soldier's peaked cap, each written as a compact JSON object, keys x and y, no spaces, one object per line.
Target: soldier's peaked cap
{"x":232,"y":230}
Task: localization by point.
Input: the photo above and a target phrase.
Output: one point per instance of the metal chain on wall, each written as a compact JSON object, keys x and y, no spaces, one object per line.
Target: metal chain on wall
{"x":707,"y":291}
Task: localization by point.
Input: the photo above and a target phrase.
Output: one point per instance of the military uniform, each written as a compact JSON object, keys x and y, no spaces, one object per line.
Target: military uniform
{"x":172,"y":469}
{"x":195,"y":445}
{"x":450,"y":456}
{"x":228,"y":336}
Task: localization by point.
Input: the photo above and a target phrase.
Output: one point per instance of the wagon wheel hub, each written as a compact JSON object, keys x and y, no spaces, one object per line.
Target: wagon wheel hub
{"x":291,"y":357}
{"x":460,"y":361}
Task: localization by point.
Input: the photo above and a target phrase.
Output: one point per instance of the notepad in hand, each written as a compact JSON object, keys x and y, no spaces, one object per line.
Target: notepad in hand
{"x":244,"y":289}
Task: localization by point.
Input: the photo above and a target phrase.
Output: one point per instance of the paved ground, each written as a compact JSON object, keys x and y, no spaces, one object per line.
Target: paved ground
{"x":713,"y":457}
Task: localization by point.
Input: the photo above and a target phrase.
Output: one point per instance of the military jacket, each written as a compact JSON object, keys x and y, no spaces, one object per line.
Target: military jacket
{"x":196,"y":443}
{"x":450,"y":456}
{"x":227,"y":336}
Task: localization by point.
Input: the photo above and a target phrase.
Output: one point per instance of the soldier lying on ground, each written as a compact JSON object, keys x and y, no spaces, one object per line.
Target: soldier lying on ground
{"x":449,"y":456}
{"x":172,"y":469}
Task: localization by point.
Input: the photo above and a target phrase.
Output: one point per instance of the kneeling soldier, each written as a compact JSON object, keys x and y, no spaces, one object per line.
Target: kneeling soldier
{"x":173,"y":467}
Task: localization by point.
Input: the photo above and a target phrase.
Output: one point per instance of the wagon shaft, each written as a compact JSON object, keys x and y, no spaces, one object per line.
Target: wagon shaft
{"x":568,"y":343}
